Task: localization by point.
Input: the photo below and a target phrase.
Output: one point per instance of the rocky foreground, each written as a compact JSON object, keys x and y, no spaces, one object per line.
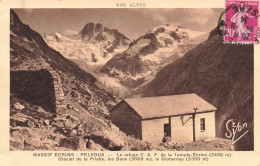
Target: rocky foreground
{"x":33,"y":128}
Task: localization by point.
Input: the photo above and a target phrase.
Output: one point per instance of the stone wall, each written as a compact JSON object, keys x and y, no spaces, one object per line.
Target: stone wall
{"x":35,"y":87}
{"x":58,"y":90}
{"x":41,"y":87}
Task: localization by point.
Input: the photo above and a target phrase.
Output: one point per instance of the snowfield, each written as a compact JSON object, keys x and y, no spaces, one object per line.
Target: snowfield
{"x":139,"y":45}
{"x":157,"y":48}
{"x":92,"y":52}
{"x":169,"y":45}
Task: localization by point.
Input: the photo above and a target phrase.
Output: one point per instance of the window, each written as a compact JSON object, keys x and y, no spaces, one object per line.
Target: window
{"x":202,"y":124}
{"x":166,"y":130}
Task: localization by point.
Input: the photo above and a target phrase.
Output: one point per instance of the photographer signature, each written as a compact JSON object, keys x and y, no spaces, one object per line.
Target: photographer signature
{"x":234,"y":129}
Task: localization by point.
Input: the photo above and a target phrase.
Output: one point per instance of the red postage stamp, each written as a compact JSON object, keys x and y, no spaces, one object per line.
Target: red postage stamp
{"x":241,"y":21}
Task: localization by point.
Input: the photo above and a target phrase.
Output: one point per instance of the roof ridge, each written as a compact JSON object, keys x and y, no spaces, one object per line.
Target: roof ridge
{"x":161,"y":96}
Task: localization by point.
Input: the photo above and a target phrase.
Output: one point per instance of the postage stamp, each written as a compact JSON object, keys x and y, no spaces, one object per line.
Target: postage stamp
{"x":241,"y":21}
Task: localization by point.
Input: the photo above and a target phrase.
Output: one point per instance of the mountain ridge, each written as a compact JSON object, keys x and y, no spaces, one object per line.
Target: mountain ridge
{"x":94,"y":44}
{"x":148,"y":53}
{"x":89,"y":29}
{"x":36,"y":41}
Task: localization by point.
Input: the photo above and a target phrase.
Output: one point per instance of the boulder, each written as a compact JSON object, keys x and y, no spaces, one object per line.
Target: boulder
{"x":20,"y":121}
{"x":74,"y":143}
{"x":73,"y":132}
{"x":16,"y":145}
{"x":61,"y":118}
{"x":107,"y":139}
{"x":30,"y":123}
{"x":95,"y":146}
{"x":18,"y":106}
{"x":41,"y":122}
{"x":69,"y":124}
{"x":46,"y":122}
{"x":45,"y":113}
{"x":56,"y":137}
{"x":19,"y":115}
{"x":43,"y":132}
{"x":16,"y":140}
{"x":25,"y":131}
{"x":49,"y":143}
{"x":52,"y":123}
{"x":59,"y":124}
{"x":39,"y":109}
{"x":35,"y":142}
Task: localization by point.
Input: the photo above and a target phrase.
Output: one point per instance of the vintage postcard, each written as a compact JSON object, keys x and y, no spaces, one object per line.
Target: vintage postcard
{"x":130,"y":83}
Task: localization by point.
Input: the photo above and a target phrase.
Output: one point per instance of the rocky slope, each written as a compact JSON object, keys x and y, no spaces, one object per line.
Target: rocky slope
{"x":222,"y":74}
{"x":146,"y":55}
{"x":94,"y":44}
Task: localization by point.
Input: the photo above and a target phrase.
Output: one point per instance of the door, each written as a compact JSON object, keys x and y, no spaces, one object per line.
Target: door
{"x":167,"y":130}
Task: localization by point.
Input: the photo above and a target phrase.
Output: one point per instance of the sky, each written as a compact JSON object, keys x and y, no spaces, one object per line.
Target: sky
{"x":131,"y":22}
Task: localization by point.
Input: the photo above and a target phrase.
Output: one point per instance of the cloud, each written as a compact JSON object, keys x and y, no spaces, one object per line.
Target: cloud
{"x":178,"y":16}
{"x":157,"y":15}
{"x":199,"y":16}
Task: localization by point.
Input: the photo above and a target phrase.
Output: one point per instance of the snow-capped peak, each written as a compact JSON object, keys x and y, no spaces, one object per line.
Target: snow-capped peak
{"x":172,"y":29}
{"x":166,"y":27}
{"x":94,"y":44}
{"x":58,"y":34}
{"x":158,"y":47}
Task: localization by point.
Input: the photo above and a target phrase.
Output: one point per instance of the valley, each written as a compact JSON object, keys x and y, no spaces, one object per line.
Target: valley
{"x":91,"y":50}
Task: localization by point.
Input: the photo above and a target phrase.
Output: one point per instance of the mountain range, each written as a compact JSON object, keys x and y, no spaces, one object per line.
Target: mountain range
{"x":118,"y":63}
{"x":94,"y":44}
{"x":150,"y":52}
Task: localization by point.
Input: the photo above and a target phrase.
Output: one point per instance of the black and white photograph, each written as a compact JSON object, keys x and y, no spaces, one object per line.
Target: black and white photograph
{"x":132,"y":79}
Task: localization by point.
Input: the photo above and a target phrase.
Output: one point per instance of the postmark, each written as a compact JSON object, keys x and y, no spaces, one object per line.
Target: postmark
{"x":241,"y":22}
